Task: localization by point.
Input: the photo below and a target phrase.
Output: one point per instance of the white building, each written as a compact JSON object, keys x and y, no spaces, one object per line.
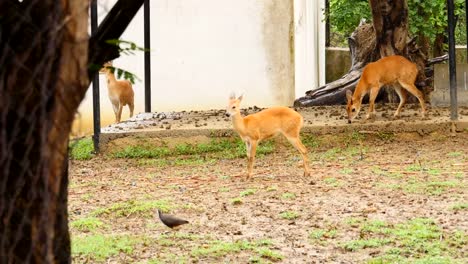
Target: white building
{"x":202,"y":50}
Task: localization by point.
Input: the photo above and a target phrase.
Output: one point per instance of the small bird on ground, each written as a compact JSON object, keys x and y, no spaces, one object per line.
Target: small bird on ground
{"x":170,"y":220}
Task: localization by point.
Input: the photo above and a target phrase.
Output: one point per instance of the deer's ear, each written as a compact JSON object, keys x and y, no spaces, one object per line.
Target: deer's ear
{"x":349,"y":95}
{"x":232,"y":96}
{"x":240,"y":97}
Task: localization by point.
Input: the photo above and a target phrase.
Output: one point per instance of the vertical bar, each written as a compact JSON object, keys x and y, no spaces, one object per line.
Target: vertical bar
{"x":327,"y":23}
{"x":96,"y":102}
{"x":466,"y":27}
{"x":147,"y":56}
{"x":452,"y":61}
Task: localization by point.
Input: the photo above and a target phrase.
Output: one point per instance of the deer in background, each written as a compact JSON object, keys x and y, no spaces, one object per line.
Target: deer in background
{"x":388,"y":70}
{"x":266,"y":124}
{"x":120,"y":92}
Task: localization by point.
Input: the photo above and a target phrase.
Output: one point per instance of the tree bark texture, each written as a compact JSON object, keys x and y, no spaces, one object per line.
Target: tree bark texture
{"x":388,"y":35}
{"x":43,"y":78}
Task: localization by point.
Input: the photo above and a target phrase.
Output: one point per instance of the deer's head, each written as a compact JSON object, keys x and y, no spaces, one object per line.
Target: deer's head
{"x":353,"y":106}
{"x":233,"y":105}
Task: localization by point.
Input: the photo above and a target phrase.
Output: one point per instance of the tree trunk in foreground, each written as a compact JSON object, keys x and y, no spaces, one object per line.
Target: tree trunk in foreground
{"x":43,"y":78}
{"x":388,"y":35}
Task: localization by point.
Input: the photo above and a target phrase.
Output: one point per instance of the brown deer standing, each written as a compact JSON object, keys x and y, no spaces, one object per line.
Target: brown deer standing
{"x":266,"y":124}
{"x":388,"y":70}
{"x":120,"y":92}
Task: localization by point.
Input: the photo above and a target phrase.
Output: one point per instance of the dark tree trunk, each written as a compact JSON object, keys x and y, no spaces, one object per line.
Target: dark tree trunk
{"x":43,"y":78}
{"x":388,"y":35}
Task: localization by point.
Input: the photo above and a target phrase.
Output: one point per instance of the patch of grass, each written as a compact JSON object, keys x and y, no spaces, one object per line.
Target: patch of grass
{"x":433,"y":172}
{"x":459,"y":207}
{"x":331,"y":153}
{"x":455,"y":154}
{"x":224,"y":189}
{"x":82,"y":149}
{"x":217,"y":249}
{"x":355,"y":245}
{"x":220,"y":248}
{"x":100,"y":247}
{"x":353,"y":137}
{"x":423,"y":186}
{"x":270,"y":254}
{"x":415,"y":241}
{"x":346,"y":171}
{"x":320,"y":234}
{"x":247,"y":192}
{"x":386,"y":136}
{"x":289,"y":215}
{"x":144,"y":209}
{"x":88,"y":224}
{"x":414,"y":167}
{"x":354,"y":221}
{"x":225,"y":148}
{"x":142,"y":151}
{"x":272,"y":188}
{"x":311,"y":141}
{"x":288,"y":195}
{"x":236,"y":201}
{"x":333,"y":182}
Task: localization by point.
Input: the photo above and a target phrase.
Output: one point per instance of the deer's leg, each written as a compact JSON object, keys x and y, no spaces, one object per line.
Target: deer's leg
{"x":372,"y":95}
{"x":402,"y":94}
{"x":251,"y":156}
{"x":119,"y":113}
{"x":131,"y":106}
{"x":296,"y":142}
{"x":416,"y":92}
{"x":115,"y":107}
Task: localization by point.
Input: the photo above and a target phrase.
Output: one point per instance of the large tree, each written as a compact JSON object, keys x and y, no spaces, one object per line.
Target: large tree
{"x":46,"y":58}
{"x":388,"y":34}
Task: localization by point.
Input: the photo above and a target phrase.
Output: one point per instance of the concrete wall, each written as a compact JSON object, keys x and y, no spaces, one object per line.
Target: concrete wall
{"x":441,"y":94}
{"x":338,"y":62}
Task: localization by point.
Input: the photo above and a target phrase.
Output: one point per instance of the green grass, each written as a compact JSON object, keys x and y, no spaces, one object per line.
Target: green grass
{"x":247,"y":192}
{"x":424,"y":186}
{"x":311,"y":141}
{"x":333,"y":182}
{"x":87,"y":224}
{"x":455,"y":154}
{"x":272,"y":188}
{"x":386,"y":136}
{"x":355,"y":245}
{"x":459,"y":207}
{"x":289,"y":215}
{"x":418,"y":240}
{"x":229,"y":148}
{"x":288,"y":195}
{"x":100,"y":247}
{"x":320,"y":234}
{"x":82,"y":149}
{"x":145,"y":209}
{"x":218,"y":249}
{"x":236,"y":201}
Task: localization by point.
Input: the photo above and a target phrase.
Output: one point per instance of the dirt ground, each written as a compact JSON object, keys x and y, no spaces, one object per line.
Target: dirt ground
{"x":358,"y":176}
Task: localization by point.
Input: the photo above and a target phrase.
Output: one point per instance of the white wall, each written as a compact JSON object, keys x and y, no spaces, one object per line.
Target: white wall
{"x":309,"y":45}
{"x":202,"y":50}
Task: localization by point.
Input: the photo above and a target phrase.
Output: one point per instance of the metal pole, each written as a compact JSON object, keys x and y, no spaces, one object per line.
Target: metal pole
{"x":96,"y":103}
{"x":147,"y":56}
{"x":327,"y":23}
{"x":452,"y":61}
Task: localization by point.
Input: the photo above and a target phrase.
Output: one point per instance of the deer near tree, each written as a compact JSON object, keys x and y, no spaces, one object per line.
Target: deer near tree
{"x":266,"y":124}
{"x":120,"y":92}
{"x":388,"y":70}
